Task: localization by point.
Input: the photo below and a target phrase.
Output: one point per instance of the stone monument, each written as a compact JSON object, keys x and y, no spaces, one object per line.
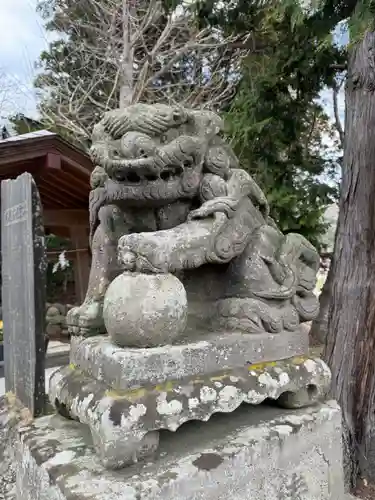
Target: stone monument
{"x":195,"y":297}
{"x":23,"y":291}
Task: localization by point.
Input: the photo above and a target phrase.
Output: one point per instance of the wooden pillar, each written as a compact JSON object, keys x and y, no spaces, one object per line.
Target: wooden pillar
{"x":79,"y":238}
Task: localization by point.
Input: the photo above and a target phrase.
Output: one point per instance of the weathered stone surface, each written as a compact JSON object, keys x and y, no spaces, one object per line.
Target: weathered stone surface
{"x":145,"y":310}
{"x":122,"y":369}
{"x":56,"y":320}
{"x":122,"y":423}
{"x":53,"y":311}
{"x":53,"y":331}
{"x":259,"y":453}
{"x":12,"y":417}
{"x":168,"y":196}
{"x":23,"y":290}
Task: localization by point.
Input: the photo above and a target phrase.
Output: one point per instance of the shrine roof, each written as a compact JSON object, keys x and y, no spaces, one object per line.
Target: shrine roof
{"x":61,"y":170}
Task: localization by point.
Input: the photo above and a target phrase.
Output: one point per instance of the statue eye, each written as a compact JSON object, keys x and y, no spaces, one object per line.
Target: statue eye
{"x":142,"y":153}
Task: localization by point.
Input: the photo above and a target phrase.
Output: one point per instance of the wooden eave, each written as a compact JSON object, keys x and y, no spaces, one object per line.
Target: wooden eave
{"x":61,"y":171}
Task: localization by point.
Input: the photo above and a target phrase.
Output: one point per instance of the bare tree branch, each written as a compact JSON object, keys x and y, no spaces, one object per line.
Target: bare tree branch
{"x":14,"y":95}
{"x":123,"y":51}
{"x":126,"y":64}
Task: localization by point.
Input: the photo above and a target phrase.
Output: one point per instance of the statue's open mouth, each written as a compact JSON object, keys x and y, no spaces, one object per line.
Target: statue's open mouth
{"x":172,"y":183}
{"x":169,"y":173}
{"x":168,"y":163}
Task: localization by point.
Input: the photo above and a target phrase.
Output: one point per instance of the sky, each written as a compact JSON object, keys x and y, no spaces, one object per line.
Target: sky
{"x":23,"y":39}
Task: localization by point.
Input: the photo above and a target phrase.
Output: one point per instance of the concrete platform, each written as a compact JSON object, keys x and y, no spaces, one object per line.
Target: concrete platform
{"x":56,"y":350}
{"x":48,"y":373}
{"x":260,"y":453}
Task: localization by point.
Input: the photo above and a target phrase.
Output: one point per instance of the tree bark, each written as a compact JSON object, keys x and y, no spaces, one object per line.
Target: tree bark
{"x":350,"y":346}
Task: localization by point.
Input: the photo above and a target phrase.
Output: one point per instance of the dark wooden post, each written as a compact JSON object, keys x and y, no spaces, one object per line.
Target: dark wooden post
{"x":23,"y":291}
{"x":79,"y":238}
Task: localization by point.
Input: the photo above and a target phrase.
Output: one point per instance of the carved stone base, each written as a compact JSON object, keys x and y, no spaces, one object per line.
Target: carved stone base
{"x":126,"y":368}
{"x":124,"y":423}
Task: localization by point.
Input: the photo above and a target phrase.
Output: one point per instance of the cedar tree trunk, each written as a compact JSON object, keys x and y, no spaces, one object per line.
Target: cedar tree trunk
{"x":350,"y":346}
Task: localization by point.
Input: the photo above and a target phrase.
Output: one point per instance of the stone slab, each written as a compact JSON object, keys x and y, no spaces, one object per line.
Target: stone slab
{"x":264,"y":454}
{"x":124,"y":424}
{"x":24,"y":267}
{"x":127,"y":368}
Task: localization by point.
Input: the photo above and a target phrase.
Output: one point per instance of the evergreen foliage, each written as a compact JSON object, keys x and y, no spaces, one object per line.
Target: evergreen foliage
{"x":277,"y":127}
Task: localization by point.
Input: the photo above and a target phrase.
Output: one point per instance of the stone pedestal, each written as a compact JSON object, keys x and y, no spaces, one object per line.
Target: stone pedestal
{"x":261,"y":453}
{"x":126,"y":396}
{"x":126,"y":368}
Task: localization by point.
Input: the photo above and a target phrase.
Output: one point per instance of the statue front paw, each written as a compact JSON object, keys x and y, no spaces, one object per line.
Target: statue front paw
{"x":140,"y":253}
{"x":86,"y":320}
{"x":224,"y":205}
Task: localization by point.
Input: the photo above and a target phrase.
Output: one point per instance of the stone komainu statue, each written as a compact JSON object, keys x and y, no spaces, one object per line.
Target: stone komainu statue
{"x":168,"y":196}
{"x":199,"y":292}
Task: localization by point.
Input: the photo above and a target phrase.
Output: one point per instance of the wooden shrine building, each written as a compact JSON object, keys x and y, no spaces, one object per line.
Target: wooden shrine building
{"x":62,"y":174}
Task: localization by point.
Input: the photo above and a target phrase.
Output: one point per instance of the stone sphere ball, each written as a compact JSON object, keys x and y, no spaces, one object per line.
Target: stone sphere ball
{"x":145,"y":310}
